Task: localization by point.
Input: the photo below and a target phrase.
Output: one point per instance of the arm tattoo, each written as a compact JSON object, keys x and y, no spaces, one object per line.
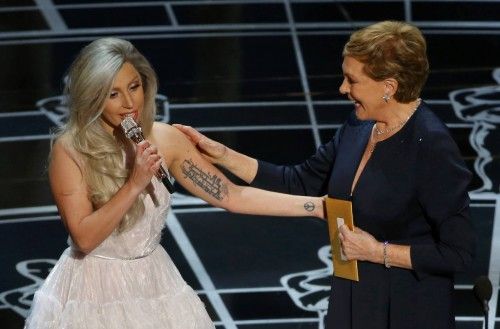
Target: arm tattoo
{"x":211,"y":184}
{"x":309,"y":206}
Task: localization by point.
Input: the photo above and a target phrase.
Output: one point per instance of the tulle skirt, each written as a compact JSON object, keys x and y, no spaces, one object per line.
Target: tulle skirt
{"x":86,"y":292}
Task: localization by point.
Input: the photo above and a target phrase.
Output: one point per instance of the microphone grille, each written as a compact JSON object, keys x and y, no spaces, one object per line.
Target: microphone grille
{"x":128,"y":123}
{"x":482,"y":288}
{"x":132,"y":130}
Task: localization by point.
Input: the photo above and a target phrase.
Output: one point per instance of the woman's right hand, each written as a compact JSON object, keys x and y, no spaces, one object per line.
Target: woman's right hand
{"x":214,"y":152}
{"x":211,"y":150}
{"x":146,"y":165}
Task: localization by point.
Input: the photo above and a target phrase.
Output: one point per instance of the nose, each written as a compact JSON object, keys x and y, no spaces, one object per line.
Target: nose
{"x":344,"y":87}
{"x":127,"y":101}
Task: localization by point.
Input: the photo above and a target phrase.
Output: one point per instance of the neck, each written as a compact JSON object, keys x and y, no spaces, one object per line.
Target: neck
{"x":397,"y":115}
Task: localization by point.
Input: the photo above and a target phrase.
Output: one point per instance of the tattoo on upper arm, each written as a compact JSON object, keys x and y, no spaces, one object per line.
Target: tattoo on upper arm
{"x":309,"y":206}
{"x":211,"y":184}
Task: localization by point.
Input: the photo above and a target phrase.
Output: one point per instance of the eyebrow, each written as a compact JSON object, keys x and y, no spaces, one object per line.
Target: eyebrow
{"x":137,"y":77}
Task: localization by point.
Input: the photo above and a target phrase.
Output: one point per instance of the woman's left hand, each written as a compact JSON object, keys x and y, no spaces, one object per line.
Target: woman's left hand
{"x":360,"y":245}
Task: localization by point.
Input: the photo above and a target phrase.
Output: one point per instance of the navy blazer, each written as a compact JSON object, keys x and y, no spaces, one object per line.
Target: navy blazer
{"x":412,"y":191}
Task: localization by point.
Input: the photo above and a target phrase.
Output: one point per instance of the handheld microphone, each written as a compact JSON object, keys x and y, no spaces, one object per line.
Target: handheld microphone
{"x":132,"y":130}
{"x":482,"y":290}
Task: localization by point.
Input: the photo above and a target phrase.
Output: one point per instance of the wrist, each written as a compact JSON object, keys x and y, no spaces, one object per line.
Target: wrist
{"x":385,"y":254}
{"x":379,"y":254}
{"x":132,"y":187}
{"x":318,"y":209}
{"x":322,"y":209}
{"x":225,"y":159}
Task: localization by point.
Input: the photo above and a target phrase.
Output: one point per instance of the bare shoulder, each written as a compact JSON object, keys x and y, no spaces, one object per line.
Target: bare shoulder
{"x":161,"y":129}
{"x":165,"y":135}
{"x":65,"y":169}
{"x":171,"y":142}
{"x":61,"y":150}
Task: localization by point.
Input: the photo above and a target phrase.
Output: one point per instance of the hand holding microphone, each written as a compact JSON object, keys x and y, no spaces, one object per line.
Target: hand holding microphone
{"x":146,"y":163}
{"x":134,"y":132}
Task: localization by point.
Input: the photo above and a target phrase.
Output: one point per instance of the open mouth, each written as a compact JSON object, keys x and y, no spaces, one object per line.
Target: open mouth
{"x":133,"y":115}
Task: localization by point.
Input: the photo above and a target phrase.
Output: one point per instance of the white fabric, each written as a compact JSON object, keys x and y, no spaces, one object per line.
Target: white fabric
{"x":129,"y":281}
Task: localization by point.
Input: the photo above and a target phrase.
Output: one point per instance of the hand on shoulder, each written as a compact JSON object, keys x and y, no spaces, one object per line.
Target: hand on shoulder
{"x":211,"y":150}
{"x":171,"y":143}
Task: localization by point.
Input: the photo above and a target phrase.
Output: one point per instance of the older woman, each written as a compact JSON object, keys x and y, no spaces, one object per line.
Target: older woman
{"x":397,"y":163}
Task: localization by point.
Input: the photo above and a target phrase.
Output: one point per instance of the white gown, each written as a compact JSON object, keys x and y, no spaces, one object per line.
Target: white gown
{"x":128,"y":281}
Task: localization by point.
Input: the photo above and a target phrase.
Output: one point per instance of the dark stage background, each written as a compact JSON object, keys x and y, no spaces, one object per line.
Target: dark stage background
{"x":262,"y":77}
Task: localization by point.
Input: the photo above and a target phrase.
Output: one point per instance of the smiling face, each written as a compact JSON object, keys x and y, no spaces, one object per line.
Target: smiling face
{"x":126,"y":98}
{"x":365,"y":92}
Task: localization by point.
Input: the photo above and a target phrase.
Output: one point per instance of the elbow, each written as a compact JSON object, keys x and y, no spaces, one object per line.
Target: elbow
{"x":440,"y":259}
{"x":83,"y":245}
{"x":233,"y":201}
{"x":238,"y":206}
{"x":465,"y":254}
{"x":86,"y":250}
{"x":458,"y":261}
{"x":230,"y":207}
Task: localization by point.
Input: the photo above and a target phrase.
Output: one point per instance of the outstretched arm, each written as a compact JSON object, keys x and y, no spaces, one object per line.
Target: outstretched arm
{"x":310,"y":177}
{"x":205,"y":181}
{"x":239,"y":164}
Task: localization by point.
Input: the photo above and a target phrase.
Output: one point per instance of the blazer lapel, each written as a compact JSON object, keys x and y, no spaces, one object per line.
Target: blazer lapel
{"x":350,"y":150}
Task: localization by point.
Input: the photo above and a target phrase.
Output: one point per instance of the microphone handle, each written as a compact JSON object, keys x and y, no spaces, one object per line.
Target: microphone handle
{"x":486,"y":310}
{"x":165,"y":179}
{"x":162,"y":174}
{"x":486,"y":307}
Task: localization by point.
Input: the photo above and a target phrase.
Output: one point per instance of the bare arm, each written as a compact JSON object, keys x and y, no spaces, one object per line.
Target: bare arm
{"x":204,"y":180}
{"x":239,"y":164}
{"x":87,"y":226}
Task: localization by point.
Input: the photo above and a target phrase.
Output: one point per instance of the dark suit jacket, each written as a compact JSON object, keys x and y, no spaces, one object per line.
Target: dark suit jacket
{"x":411,"y":192}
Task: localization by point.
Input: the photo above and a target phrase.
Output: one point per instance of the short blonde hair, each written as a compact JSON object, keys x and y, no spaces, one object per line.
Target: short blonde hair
{"x":391,"y":49}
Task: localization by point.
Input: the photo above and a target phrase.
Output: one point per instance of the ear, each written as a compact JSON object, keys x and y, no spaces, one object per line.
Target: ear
{"x":390,"y":86}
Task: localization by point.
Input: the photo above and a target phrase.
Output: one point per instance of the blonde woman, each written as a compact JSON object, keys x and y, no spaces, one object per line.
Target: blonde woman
{"x":114,"y":273}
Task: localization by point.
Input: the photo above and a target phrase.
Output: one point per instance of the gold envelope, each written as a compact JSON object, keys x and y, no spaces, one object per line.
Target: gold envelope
{"x":338,"y":212}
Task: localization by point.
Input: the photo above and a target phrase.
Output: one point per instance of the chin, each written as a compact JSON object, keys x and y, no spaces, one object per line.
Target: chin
{"x":360,"y":114}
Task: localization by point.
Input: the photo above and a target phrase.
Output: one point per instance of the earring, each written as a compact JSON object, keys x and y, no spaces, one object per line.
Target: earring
{"x":386,"y":98}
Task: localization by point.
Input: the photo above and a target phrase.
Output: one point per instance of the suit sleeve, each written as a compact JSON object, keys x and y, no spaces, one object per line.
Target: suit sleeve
{"x":308,"y":178}
{"x":442,"y":192}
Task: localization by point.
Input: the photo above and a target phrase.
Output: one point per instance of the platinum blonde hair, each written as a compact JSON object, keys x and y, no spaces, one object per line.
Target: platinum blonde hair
{"x":101,"y":155}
